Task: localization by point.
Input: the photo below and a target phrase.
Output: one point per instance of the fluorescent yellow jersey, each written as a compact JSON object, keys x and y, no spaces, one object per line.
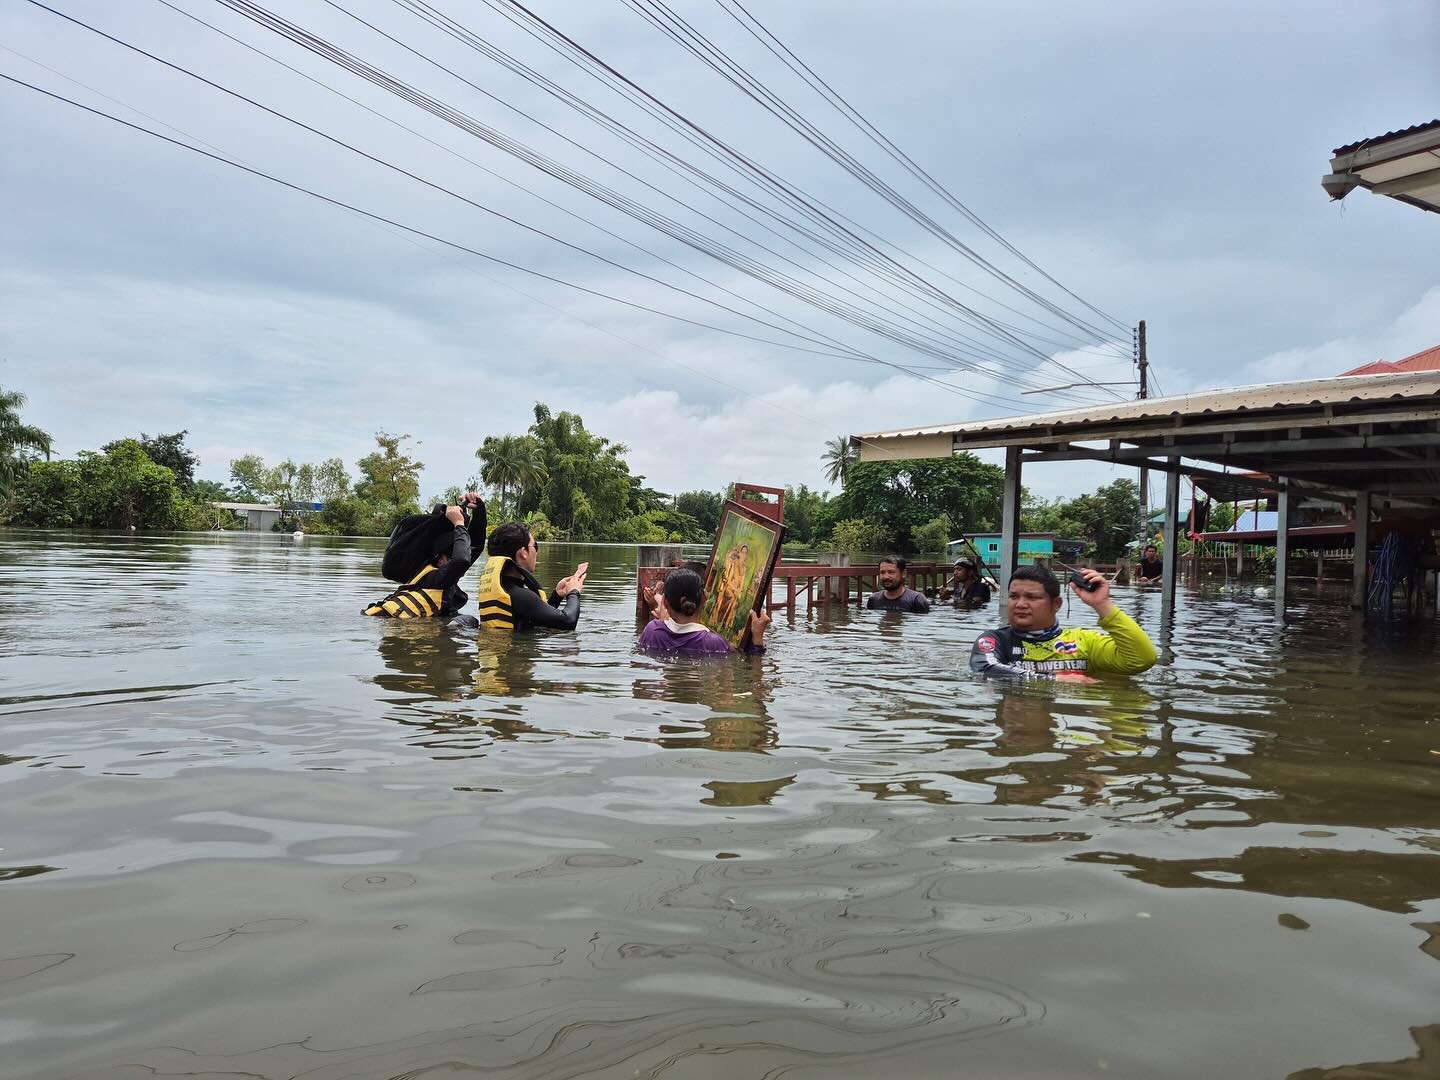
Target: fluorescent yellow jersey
{"x":1119,"y":646}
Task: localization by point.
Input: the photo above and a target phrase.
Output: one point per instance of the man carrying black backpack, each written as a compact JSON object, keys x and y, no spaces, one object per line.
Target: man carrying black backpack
{"x":427,"y":555}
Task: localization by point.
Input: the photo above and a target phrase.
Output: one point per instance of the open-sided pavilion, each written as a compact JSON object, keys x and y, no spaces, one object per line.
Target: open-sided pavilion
{"x":1368,"y":441}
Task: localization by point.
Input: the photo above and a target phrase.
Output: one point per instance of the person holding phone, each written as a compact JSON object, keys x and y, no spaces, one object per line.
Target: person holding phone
{"x":1035,"y":646}
{"x":510,"y":596}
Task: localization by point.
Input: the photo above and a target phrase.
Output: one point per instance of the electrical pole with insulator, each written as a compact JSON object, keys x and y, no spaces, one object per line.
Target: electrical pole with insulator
{"x":1144,"y":363}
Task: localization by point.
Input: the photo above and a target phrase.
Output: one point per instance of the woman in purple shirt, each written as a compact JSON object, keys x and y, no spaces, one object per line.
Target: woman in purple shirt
{"x":678,"y":630}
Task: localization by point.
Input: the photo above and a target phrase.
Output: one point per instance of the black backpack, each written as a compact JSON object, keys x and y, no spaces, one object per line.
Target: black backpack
{"x":412,"y":544}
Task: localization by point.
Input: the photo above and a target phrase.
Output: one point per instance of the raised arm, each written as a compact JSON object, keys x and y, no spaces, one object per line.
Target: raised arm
{"x":529,"y":607}
{"x":1124,"y":648}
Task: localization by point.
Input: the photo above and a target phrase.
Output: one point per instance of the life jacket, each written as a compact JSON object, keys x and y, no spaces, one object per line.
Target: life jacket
{"x":411,"y":600}
{"x":495,"y":608}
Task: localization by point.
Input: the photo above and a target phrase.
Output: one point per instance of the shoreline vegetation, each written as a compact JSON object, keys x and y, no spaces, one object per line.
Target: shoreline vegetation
{"x":563,"y":481}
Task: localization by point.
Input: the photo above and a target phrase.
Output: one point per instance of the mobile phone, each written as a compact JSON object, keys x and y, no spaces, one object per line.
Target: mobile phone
{"x":1083,"y":582}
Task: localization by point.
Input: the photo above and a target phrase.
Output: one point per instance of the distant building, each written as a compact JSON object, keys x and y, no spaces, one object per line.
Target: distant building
{"x":1034,"y":547}
{"x":259,"y":517}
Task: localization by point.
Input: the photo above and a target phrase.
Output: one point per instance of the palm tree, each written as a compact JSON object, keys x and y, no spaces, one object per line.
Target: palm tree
{"x":838,"y":457}
{"x":19,"y":442}
{"x":511,"y":463}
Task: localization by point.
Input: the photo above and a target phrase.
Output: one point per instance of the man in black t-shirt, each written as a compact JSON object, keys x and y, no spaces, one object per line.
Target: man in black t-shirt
{"x":893,"y":595}
{"x":1152,"y":570}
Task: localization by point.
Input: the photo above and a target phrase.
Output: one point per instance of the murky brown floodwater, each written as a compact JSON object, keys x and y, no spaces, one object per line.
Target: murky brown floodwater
{"x":248,"y":833}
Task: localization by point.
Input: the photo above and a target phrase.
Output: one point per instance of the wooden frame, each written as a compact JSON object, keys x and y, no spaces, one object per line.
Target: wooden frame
{"x":737,"y":580}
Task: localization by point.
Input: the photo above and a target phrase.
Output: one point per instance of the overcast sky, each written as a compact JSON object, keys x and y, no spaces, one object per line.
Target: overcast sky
{"x":1160,"y":161}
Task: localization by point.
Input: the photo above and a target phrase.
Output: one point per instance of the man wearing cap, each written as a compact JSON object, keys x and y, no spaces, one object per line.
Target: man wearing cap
{"x":967,"y":588}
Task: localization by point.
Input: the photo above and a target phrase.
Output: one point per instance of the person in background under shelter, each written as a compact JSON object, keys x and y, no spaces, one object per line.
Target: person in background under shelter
{"x":1035,"y":646}
{"x":893,"y":594}
{"x":966,"y":588}
{"x":1152,"y":570}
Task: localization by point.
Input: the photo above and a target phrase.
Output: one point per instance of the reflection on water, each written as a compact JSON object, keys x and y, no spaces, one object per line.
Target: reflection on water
{"x":249,"y":833}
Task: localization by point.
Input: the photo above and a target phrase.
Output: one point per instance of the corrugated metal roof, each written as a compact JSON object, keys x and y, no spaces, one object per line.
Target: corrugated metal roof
{"x":1244,"y":399}
{"x":1414,"y":129}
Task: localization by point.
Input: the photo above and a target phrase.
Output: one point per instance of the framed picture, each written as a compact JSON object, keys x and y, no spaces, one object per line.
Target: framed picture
{"x":737,"y":581}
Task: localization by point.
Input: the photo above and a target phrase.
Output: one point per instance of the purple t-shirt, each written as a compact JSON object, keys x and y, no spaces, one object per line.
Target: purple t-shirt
{"x":667,"y":636}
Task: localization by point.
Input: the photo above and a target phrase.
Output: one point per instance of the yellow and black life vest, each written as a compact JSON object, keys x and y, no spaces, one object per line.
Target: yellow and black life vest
{"x":494,"y":599}
{"x":410,"y":601}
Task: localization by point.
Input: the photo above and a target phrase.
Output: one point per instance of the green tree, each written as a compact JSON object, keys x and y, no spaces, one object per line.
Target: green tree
{"x":210,"y":491}
{"x":122,"y":489}
{"x":1108,"y":518}
{"x":907,"y":494}
{"x":46,"y":495}
{"x":389,"y":475}
{"x":933,"y":535}
{"x":331,"y":480}
{"x":809,"y":515}
{"x":511,"y":464}
{"x":588,"y":486}
{"x":169,"y":451}
{"x":855,"y":536}
{"x":252,"y":479}
{"x":703,"y":507}
{"x":839,"y":457}
{"x":20,"y":443}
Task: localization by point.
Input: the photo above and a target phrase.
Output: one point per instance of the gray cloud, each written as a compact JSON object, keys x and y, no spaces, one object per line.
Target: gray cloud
{"x":1161,"y":161}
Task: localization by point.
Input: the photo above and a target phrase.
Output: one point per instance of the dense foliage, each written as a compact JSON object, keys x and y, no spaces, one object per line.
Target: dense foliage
{"x":563,"y":480}
{"x":117,"y":488}
{"x":905,"y":495}
{"x":20,"y":443}
{"x":1108,"y":519}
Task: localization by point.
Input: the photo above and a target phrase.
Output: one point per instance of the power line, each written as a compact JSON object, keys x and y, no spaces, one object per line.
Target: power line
{"x":686,"y":170}
{"x":412,"y":230}
{"x":690,"y":39}
{"x":788,"y":193}
{"x":919,"y":342}
{"x":788,"y":57}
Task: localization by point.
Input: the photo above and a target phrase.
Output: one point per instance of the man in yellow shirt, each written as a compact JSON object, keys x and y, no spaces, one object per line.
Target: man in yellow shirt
{"x":1036,"y":646}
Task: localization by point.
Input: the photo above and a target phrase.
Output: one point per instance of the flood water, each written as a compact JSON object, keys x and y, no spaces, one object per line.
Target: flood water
{"x":245,"y":832}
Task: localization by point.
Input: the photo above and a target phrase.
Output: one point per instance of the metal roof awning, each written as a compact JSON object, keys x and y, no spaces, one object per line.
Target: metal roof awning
{"x":1338,"y":436}
{"x":1404,"y":165}
{"x":1310,"y":537}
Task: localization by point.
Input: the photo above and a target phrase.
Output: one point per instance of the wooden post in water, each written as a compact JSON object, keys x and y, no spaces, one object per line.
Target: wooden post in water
{"x":1282,"y":547}
{"x":1172,"y":543}
{"x":1010,"y":517}
{"x":1360,"y":560}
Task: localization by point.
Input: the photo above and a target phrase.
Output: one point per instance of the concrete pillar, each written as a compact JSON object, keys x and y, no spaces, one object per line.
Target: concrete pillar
{"x":1282,"y":547}
{"x":1171,"y":530}
{"x":1358,"y":584}
{"x":1010,"y":518}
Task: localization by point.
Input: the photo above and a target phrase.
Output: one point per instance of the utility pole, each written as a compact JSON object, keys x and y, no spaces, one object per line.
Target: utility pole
{"x":1144,"y":363}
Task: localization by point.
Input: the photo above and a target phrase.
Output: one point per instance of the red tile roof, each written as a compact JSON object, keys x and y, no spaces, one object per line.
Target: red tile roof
{"x":1425,"y":360}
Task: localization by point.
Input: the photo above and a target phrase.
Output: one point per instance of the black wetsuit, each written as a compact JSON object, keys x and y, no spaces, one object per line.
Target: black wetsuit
{"x":465,"y":543}
{"x":553,"y":613}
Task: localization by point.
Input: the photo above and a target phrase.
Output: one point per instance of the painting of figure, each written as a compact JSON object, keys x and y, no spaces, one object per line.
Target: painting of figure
{"x":747,"y":546}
